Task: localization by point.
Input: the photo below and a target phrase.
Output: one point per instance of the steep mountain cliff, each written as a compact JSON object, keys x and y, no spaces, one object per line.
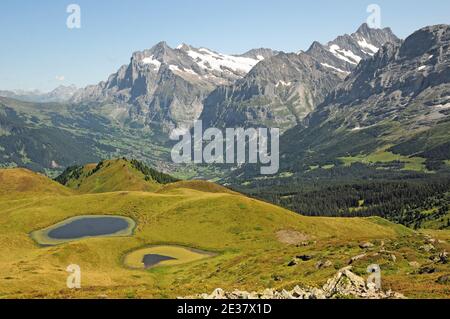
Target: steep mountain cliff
{"x":165,"y":88}
{"x":398,"y":100}
{"x":282,"y":90}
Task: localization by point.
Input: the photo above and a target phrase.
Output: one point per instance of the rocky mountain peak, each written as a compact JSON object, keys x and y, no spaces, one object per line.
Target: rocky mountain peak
{"x":315,"y":46}
{"x":260,"y":53}
{"x":167,"y":86}
{"x":344,"y":53}
{"x":404,"y":82}
{"x":62,"y":93}
{"x":425,"y":40}
{"x":283,"y":89}
{"x":364,"y":29}
{"x":173,"y":85}
{"x":183,"y":47}
{"x":422,"y":60}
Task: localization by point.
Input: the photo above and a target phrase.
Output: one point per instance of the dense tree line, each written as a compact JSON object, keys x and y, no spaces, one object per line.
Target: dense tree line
{"x":71,"y":172}
{"x":152,"y":174}
{"x":76,"y":171}
{"x":410,"y":202}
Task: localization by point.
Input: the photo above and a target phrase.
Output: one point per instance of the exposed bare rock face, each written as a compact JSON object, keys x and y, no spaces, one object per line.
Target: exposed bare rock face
{"x":397,"y":99}
{"x":343,"y":285}
{"x":283,"y":89}
{"x":164,"y":87}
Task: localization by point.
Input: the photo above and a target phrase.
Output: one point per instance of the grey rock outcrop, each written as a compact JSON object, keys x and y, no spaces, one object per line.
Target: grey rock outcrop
{"x":401,"y":77}
{"x":345,"y":52}
{"x":344,"y":284}
{"x":404,"y":87}
{"x":283,"y":89}
{"x":164,"y":87}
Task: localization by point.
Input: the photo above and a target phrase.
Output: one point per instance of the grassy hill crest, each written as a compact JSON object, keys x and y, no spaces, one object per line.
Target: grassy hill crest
{"x":253,"y":242}
{"x":112,"y":176}
{"x":21,"y":182}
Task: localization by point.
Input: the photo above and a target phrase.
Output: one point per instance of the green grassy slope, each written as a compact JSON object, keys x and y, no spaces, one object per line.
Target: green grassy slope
{"x":248,"y":237}
{"x":108,"y":176}
{"x":18,"y":183}
{"x":47,"y":137}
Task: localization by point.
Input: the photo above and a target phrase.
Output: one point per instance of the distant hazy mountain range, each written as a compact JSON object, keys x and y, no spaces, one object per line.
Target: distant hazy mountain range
{"x":335,"y":103}
{"x":61,"y":94}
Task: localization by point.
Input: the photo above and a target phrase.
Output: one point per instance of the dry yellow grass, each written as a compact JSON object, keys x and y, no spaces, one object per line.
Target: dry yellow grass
{"x":19,"y":183}
{"x":242,"y":232}
{"x":202,"y":186}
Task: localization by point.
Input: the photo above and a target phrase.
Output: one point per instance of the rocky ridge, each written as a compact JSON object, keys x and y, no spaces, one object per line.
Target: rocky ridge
{"x":283,"y":89}
{"x":164,"y":87}
{"x":343,"y":285}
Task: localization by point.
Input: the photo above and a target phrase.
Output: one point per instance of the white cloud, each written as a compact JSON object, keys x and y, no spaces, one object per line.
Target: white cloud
{"x":60,"y":78}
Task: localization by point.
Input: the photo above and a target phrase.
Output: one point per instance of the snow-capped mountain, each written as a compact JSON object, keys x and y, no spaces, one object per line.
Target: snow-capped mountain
{"x":278,"y":92}
{"x":165,"y":87}
{"x":226,"y":66}
{"x":169,"y":88}
{"x":399,"y":100}
{"x":283,"y":89}
{"x":344,"y":53}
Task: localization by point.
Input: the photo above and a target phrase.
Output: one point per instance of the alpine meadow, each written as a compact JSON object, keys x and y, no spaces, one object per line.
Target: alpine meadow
{"x":321,"y":172}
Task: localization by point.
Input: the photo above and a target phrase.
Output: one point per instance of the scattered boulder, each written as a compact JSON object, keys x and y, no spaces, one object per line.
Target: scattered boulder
{"x":293,"y":262}
{"x":427,"y":270}
{"x":427,"y":247}
{"x":366,"y":245}
{"x":358,"y":257}
{"x":299,"y":258}
{"x":268,"y":293}
{"x":277,"y":278}
{"x":445,"y":279}
{"x":414,"y":264}
{"x":393,"y":258}
{"x":344,"y":284}
{"x":304,"y":257}
{"x":443,"y":257}
{"x":323,"y":264}
{"x":217,"y":294}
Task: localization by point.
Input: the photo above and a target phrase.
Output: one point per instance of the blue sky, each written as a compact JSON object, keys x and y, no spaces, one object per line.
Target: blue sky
{"x":37,"y":47}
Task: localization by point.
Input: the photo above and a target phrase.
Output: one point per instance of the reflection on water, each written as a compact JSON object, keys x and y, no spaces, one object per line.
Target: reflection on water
{"x":89,"y":226}
{"x":153,"y":259}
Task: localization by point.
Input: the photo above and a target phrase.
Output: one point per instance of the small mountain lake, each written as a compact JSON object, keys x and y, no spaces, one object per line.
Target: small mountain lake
{"x":154,"y":259}
{"x":81,"y":227}
{"x":164,"y":255}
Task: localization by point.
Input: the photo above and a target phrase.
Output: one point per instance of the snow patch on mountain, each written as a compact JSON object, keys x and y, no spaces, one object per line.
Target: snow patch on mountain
{"x":175,"y":68}
{"x":151,"y":61}
{"x":210,"y":60}
{"x":283,"y":83}
{"x":346,"y":55}
{"x":334,"y":68}
{"x":365,"y":45}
